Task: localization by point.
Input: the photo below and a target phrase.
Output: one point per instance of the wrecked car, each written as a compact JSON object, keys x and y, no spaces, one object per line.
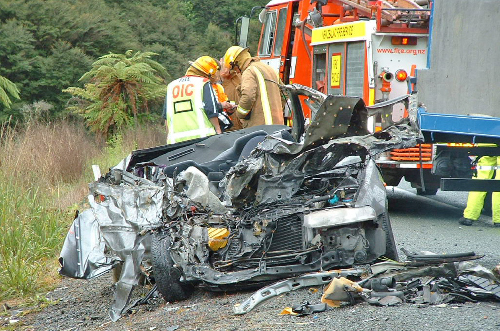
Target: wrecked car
{"x":244,"y":208}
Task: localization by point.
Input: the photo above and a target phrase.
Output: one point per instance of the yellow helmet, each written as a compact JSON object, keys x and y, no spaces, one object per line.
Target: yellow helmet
{"x":232,"y":54}
{"x":205,"y":64}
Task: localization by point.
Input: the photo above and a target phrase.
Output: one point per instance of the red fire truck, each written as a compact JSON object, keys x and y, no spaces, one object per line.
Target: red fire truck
{"x":374,"y":50}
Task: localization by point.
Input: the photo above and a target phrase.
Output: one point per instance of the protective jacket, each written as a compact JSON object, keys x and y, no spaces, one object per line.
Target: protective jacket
{"x":186,"y":109}
{"x":231,"y":86}
{"x":260,"y":99}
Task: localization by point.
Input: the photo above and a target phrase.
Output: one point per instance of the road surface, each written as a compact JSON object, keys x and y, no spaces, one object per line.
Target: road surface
{"x":419,"y":224}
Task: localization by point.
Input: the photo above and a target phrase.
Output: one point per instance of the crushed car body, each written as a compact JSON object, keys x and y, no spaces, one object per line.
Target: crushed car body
{"x":244,"y":208}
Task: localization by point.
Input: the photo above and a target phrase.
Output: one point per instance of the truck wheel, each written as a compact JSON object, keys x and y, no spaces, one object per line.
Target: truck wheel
{"x":427,"y":191}
{"x":391,"y":250}
{"x":167,"y":277}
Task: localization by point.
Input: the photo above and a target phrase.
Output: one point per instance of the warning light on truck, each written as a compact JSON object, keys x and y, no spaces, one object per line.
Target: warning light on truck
{"x":404,"y":41}
{"x":401,"y":75}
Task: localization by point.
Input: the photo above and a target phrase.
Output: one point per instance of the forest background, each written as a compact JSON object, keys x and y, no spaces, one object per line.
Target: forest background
{"x":54,"y":52}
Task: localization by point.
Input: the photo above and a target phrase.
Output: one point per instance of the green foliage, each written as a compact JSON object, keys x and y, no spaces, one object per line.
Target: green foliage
{"x":41,"y":183}
{"x":120,"y":88}
{"x":16,"y":57}
{"x":7,"y":88}
{"x":216,"y":42}
{"x":30,"y":235}
{"x":47,"y":45}
{"x":61,"y":69}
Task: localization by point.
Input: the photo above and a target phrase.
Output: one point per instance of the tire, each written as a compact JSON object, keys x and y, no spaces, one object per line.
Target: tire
{"x":427,"y":191}
{"x":167,"y":277}
{"x":391,"y":250}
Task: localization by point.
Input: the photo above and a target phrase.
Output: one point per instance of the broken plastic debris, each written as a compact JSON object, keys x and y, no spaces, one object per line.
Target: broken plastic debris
{"x":340,"y":289}
{"x":288,"y":311}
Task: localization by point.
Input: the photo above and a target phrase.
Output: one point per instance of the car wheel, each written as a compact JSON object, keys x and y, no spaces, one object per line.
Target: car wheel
{"x":166,"y":275}
{"x":391,"y":250}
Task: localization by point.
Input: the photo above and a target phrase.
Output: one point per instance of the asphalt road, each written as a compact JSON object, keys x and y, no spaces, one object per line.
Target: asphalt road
{"x":419,"y":224}
{"x":430,"y":223}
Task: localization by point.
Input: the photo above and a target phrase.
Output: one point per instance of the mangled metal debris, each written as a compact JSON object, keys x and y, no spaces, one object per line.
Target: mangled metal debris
{"x":220,"y":213}
{"x":414,"y":282}
{"x":312,"y":279}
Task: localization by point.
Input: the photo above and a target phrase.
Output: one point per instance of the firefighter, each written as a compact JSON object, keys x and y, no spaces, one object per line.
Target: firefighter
{"x":230,"y":81}
{"x":191,"y":108}
{"x":486,"y":168}
{"x":226,"y":122}
{"x":260,"y":99}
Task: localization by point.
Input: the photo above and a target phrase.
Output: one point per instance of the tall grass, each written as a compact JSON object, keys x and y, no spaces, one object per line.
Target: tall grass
{"x":44,"y":172}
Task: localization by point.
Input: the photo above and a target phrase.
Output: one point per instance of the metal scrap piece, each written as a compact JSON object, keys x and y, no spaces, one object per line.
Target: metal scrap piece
{"x":485,"y":287}
{"x":291,"y":284}
{"x":390,"y":300}
{"x":306,"y":308}
{"x":82,"y":255}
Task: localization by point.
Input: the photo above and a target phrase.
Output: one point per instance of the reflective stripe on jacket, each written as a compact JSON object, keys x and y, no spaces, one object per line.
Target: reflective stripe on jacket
{"x":186,"y":118}
{"x":260,"y":101}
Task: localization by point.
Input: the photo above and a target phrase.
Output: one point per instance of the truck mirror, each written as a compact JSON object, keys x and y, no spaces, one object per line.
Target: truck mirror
{"x":262,"y":16}
{"x":245,"y":23}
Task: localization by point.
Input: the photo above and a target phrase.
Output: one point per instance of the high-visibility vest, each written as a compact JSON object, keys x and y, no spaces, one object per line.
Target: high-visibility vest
{"x":186,"y":118}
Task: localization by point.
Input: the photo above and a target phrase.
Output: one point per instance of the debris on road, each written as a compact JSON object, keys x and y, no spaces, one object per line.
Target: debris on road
{"x":424,"y":279}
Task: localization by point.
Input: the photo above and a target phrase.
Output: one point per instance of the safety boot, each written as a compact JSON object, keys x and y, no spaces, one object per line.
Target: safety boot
{"x":465,"y":221}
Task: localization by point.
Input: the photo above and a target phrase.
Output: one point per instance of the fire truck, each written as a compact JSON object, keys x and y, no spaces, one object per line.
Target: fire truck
{"x":387,"y":51}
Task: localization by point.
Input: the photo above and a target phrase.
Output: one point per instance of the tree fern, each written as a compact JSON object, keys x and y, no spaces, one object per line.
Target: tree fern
{"x":119,"y":88}
{"x":7,"y":88}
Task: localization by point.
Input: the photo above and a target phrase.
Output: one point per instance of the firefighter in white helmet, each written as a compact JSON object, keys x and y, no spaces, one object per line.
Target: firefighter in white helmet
{"x":191,"y":108}
{"x":260,"y":98}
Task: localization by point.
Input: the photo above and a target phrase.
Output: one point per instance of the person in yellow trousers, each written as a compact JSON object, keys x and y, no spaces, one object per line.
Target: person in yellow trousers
{"x":260,"y":97}
{"x":487,"y":166}
{"x":191,"y":107}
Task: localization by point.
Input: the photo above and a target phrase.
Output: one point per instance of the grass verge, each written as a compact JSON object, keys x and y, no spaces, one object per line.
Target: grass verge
{"x":44,"y":171}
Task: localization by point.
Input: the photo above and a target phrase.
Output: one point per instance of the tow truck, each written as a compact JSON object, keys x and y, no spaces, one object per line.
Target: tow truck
{"x":387,"y":51}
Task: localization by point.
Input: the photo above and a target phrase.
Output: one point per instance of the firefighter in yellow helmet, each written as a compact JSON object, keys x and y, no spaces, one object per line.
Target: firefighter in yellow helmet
{"x":191,"y":108}
{"x":260,"y":98}
{"x":488,"y":167}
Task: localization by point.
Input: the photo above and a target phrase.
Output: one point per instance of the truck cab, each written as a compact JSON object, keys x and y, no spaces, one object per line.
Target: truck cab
{"x":367,"y":50}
